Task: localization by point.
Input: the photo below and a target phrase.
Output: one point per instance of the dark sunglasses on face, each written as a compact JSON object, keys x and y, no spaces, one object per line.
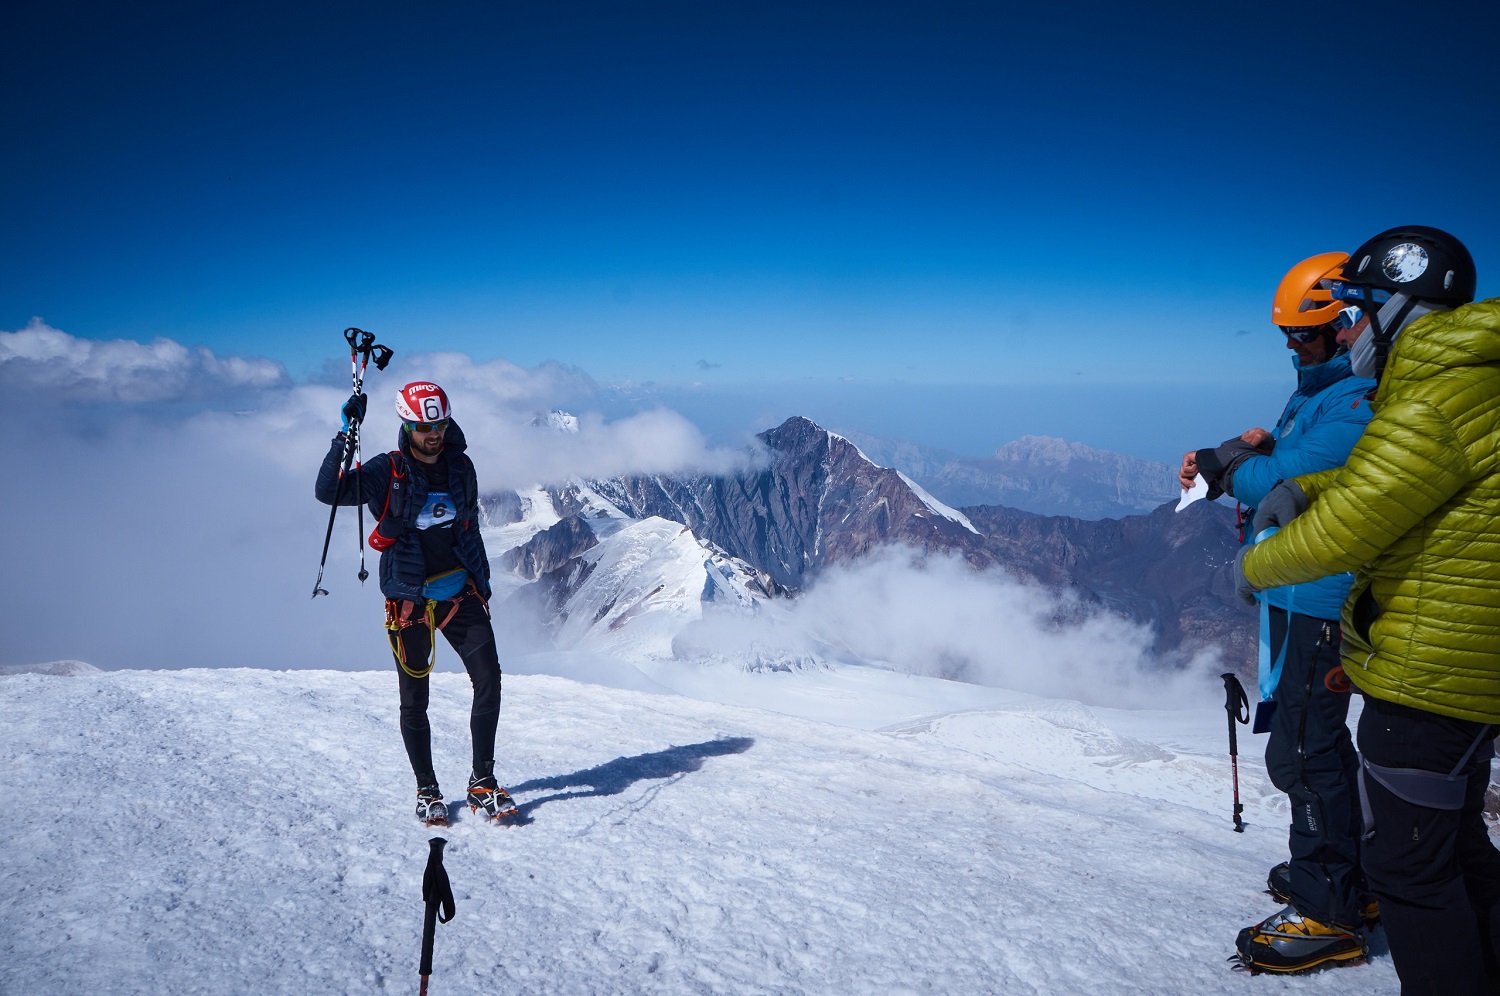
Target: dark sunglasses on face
{"x":437,"y":426}
{"x":1303,"y":335}
{"x":1348,"y":318}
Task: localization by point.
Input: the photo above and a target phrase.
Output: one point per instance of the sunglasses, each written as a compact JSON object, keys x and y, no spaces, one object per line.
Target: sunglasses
{"x":1304,"y":335}
{"x":437,"y":426}
{"x":1348,"y":318}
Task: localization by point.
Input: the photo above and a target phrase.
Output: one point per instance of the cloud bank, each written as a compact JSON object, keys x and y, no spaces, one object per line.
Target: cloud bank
{"x":933,"y":614}
{"x":161,"y":506}
{"x":41,"y":360}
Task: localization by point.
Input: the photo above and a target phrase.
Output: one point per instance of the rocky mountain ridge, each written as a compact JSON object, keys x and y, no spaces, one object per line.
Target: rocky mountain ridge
{"x":817,"y":500}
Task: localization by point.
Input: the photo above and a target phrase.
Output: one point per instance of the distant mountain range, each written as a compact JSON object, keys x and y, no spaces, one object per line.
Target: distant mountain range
{"x":646,"y":554}
{"x":1034,"y":473}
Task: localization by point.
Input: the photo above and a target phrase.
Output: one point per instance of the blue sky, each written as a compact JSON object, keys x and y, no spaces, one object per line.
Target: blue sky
{"x":953,"y":223}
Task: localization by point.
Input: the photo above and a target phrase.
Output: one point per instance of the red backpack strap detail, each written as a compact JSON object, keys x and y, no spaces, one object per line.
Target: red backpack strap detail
{"x":378,"y":541}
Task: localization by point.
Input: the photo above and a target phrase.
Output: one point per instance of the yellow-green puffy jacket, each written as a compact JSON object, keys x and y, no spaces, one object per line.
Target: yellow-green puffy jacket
{"x":1415,"y":513}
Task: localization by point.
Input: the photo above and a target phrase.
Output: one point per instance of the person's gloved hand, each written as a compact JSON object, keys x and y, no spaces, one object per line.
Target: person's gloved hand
{"x":1281,"y":505}
{"x":1242,"y":585}
{"x":354,"y":410}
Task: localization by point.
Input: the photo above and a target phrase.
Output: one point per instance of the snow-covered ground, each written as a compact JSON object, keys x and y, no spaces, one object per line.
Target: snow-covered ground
{"x":250,"y":831}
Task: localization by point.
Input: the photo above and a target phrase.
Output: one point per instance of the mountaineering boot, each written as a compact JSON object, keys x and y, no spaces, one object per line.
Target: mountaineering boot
{"x":1279,"y":882}
{"x":1279,"y":886}
{"x":486,"y":796}
{"x":431,"y":809}
{"x":1290,"y":942}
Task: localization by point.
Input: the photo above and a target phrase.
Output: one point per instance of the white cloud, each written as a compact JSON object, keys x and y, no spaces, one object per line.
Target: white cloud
{"x":497,"y":382}
{"x":935,"y":615}
{"x":495,"y":401}
{"x":42,"y":360}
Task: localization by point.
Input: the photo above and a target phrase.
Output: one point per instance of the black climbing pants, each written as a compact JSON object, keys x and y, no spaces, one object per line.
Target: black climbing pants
{"x":469,"y":632}
{"x":1310,"y":756}
{"x":1435,"y":872}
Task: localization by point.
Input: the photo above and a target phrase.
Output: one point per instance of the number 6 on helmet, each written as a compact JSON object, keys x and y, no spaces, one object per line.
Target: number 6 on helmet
{"x":422,"y":401}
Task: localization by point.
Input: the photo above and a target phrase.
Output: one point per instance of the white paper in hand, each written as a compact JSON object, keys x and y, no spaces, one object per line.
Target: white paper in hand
{"x":1190,"y":495}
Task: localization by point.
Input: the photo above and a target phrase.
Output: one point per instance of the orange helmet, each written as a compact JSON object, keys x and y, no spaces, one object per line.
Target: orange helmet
{"x":1305,"y":296}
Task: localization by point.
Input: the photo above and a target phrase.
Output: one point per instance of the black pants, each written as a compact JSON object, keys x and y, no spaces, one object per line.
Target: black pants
{"x":1435,"y":872}
{"x":470,"y":634}
{"x":1310,"y":756}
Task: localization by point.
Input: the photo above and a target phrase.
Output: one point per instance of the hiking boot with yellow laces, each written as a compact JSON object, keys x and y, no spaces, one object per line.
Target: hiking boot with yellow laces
{"x":1290,"y":942}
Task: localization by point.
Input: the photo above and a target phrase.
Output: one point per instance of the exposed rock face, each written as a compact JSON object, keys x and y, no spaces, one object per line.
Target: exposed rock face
{"x":1034,"y":473}
{"x":817,"y":502}
{"x":500,"y":508}
{"x":550,"y":549}
{"x":1171,"y":570}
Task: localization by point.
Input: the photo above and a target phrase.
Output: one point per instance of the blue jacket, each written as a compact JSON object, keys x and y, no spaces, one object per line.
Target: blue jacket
{"x":397,"y":479}
{"x":1323,"y":420}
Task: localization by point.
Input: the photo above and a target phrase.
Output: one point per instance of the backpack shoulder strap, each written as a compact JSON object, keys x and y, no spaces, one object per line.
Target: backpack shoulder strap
{"x":398,"y":473}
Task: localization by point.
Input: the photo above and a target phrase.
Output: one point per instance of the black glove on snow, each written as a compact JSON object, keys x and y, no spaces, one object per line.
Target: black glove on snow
{"x":354,"y":409}
{"x":1281,"y":505}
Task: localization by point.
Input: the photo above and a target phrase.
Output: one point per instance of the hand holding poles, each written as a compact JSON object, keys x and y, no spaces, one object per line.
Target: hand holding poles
{"x":362,"y":349}
{"x":435,"y":892}
{"x":1238,"y":707}
{"x":354,"y":410}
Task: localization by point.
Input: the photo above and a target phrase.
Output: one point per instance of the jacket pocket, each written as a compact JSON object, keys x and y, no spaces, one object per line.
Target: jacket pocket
{"x":1366,"y":610}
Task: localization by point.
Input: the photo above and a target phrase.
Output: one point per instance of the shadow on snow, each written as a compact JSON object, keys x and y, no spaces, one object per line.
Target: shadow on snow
{"x":618,"y":775}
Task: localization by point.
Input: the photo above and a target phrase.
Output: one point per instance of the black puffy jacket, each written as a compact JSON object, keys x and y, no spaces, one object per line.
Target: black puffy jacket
{"x":395,"y":489}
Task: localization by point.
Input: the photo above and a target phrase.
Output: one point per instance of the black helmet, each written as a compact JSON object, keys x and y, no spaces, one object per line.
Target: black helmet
{"x":1420,"y":262}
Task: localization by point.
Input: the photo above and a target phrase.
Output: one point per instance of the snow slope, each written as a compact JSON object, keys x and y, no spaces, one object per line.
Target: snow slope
{"x":249,"y":831}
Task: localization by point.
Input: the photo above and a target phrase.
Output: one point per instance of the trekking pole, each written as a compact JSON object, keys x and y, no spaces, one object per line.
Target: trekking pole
{"x":436,"y":891}
{"x":1238,"y":707}
{"x":368,"y":349}
{"x":366,"y":342}
{"x":344,"y":461}
{"x":362,"y":349}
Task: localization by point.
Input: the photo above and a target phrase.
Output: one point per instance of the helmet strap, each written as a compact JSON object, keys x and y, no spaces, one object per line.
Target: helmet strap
{"x":1391,"y":320}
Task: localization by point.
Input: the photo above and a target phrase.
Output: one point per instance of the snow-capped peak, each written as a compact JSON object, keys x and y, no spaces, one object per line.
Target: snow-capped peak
{"x":558,"y":421}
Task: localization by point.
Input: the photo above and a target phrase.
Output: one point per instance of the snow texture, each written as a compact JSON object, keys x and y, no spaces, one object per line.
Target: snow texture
{"x":937,"y":506}
{"x":250,"y":831}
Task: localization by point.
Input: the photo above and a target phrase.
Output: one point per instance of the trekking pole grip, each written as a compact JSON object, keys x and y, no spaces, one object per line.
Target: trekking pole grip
{"x":1236,"y":703}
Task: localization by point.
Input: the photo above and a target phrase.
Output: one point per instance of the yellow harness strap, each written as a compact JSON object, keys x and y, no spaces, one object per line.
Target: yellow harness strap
{"x":398,"y":616}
